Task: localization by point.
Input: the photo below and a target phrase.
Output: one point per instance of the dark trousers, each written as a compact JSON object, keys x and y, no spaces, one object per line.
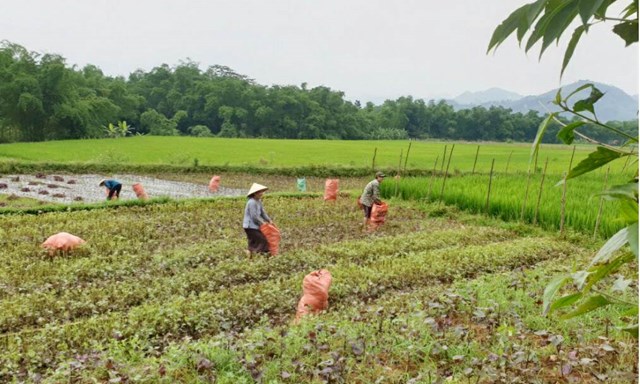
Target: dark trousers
{"x":367,"y":211}
{"x":257,"y":243}
{"x":115,"y":191}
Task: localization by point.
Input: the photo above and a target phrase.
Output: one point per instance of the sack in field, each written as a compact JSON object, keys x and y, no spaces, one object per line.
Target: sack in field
{"x":378,"y":215}
{"x":139,"y":190}
{"x":302,"y":185}
{"x":272,"y":233}
{"x":315,"y":293}
{"x":62,"y":241}
{"x":214,"y":183}
{"x":331,"y":189}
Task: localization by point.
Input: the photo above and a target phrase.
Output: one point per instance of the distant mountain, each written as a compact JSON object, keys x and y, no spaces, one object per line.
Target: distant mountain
{"x":614,"y":105}
{"x":490,"y":95}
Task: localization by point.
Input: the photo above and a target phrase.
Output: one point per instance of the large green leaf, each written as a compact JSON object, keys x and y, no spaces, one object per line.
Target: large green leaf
{"x":591,"y":304}
{"x":627,"y":191}
{"x":595,"y":160}
{"x":601,"y":271}
{"x":580,"y":88}
{"x":632,"y":238}
{"x":571,"y":47}
{"x":628,"y":211}
{"x":558,"y":23}
{"x":532,"y":13}
{"x":628,"y":31}
{"x":566,"y":133}
{"x":508,"y":26}
{"x":588,"y":8}
{"x":551,"y":289}
{"x":632,"y":329}
{"x":565,"y":301}
{"x":616,"y":242}
{"x":587,"y":104}
{"x":541,"y":129}
{"x":602,"y":11}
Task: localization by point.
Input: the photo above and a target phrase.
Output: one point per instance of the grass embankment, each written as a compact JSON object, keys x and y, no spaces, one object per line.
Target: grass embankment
{"x":164,"y":293}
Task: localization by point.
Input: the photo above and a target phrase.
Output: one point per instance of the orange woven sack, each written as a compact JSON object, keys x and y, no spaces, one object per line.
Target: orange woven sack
{"x":331,"y":189}
{"x":62,"y":241}
{"x":272,"y":233}
{"x":139,"y":190}
{"x":214,"y":184}
{"x":378,"y":214}
{"x":315,"y":293}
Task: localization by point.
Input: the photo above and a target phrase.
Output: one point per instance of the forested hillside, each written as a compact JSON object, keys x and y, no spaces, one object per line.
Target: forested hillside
{"x":44,"y":98}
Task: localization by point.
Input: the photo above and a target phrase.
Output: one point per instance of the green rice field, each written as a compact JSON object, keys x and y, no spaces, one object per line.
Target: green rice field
{"x":185,"y":151}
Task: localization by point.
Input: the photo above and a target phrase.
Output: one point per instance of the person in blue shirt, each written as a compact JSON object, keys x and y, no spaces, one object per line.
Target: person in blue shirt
{"x":113,"y":186}
{"x":254,"y":217}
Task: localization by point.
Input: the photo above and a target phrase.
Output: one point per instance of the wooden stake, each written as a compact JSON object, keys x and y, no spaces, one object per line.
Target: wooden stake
{"x":406,"y":159}
{"x":544,"y":172}
{"x":433,"y":175}
{"x":398,"y":175}
{"x":563,"y":202}
{"x":506,"y":170}
{"x":475,"y":161}
{"x":446,"y":172}
{"x":486,"y":206}
{"x":595,"y":230}
{"x":373,"y":162}
{"x":526,"y":194}
{"x":444,"y":157}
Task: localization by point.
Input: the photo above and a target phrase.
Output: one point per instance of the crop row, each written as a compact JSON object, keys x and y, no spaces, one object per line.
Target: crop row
{"x":159,"y":279}
{"x":196,"y":314}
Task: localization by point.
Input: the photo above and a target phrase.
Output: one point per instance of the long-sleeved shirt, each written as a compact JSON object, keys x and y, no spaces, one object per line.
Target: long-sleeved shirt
{"x":371,"y":193}
{"x":110,"y":184}
{"x":254,"y":214}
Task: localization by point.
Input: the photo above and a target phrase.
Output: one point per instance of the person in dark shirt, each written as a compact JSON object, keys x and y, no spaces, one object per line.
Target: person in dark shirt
{"x":113,"y":186}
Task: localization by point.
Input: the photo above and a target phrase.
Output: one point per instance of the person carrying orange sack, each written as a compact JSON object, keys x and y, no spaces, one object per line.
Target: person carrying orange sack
{"x":370,"y":196}
{"x":254,"y":217}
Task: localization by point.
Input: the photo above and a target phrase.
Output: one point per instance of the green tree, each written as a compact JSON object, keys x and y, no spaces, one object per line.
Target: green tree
{"x":546,"y":21}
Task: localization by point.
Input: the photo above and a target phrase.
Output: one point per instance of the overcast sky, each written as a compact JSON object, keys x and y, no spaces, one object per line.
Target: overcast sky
{"x":370,"y":49}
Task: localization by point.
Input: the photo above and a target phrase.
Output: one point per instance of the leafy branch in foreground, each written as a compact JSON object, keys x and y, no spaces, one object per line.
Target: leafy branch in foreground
{"x":595,"y":286}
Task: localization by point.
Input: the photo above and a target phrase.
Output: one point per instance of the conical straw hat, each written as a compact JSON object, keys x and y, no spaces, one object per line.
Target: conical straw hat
{"x":255,"y":187}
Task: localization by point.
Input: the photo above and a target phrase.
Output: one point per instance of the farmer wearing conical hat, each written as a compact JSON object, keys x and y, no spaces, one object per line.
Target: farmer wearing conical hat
{"x":113,"y":186}
{"x":370,"y":196}
{"x":254,"y":216}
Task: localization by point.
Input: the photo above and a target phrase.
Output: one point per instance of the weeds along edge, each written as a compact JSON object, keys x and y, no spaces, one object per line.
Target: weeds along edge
{"x":137,"y":203}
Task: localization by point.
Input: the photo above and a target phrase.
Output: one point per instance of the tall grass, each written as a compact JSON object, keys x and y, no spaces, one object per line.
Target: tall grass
{"x":469,"y":192}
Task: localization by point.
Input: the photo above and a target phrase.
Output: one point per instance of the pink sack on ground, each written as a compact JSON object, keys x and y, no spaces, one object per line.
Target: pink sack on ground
{"x":331,"y":189}
{"x":139,"y":190}
{"x":214,"y":184}
{"x":315,"y":293}
{"x":62,"y":241}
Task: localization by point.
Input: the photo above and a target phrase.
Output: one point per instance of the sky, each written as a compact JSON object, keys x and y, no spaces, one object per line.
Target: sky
{"x":371,"y":50}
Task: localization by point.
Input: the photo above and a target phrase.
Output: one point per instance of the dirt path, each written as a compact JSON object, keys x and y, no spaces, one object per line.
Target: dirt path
{"x":84,"y":188}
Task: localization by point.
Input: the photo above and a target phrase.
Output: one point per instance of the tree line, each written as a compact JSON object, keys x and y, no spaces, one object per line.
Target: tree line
{"x":43,"y":98}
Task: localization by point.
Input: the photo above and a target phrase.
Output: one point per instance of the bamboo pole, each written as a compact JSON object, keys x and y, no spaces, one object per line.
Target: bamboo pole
{"x":486,"y":207}
{"x":373,"y":162}
{"x":433,"y":175}
{"x":544,"y":172}
{"x":444,"y":157}
{"x":447,"y":171}
{"x":563,"y":202}
{"x":406,"y":159}
{"x":506,"y":170}
{"x":526,"y":194}
{"x":398,"y":174}
{"x":595,"y":230}
{"x":475,"y":161}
